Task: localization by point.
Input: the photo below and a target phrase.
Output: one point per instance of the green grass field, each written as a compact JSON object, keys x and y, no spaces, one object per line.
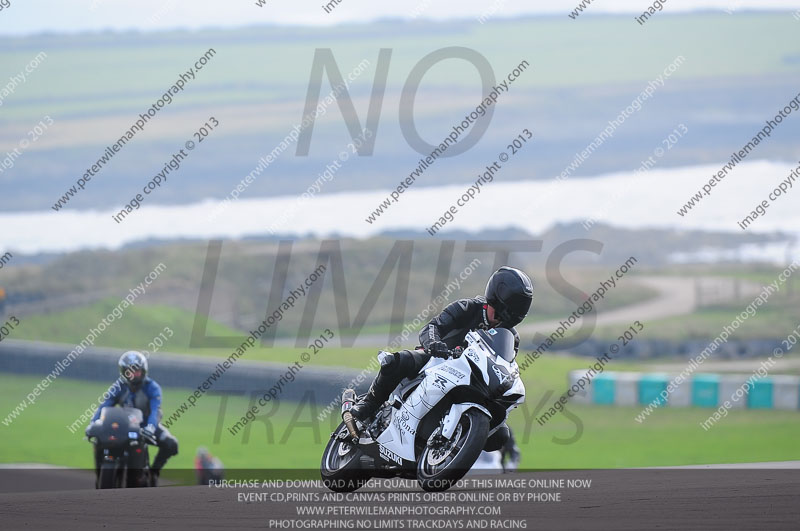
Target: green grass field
{"x":291,"y":437}
{"x":138,"y":325}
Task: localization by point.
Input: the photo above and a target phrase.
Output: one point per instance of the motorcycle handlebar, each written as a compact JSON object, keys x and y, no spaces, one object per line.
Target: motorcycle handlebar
{"x":451,"y":353}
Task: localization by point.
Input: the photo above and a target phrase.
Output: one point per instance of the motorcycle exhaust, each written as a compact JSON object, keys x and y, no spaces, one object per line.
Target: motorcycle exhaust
{"x":348,"y":400}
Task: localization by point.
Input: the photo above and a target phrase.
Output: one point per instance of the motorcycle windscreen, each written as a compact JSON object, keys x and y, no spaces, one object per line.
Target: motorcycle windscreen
{"x":116,"y":425}
{"x":501,"y":341}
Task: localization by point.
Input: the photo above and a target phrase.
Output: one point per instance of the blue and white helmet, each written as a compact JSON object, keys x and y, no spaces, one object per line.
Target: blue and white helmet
{"x":133,"y":367}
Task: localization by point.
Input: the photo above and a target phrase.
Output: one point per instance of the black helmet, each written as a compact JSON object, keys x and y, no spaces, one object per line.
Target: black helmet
{"x":133,"y":367}
{"x":510,"y":292}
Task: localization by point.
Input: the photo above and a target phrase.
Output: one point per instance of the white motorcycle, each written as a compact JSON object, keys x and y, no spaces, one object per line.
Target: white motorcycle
{"x":433,"y":427}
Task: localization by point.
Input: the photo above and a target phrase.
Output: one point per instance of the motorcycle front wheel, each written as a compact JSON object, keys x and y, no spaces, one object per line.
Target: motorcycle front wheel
{"x":108,"y":473}
{"x":444,"y":461}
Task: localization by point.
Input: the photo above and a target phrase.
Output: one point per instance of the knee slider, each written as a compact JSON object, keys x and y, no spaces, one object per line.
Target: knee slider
{"x":170,"y":445}
{"x":388,"y":361}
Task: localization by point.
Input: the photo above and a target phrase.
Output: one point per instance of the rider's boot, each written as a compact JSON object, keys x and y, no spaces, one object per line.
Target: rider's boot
{"x":378,"y":392}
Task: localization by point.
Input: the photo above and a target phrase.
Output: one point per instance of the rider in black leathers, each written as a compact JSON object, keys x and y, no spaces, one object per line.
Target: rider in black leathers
{"x":508,"y":298}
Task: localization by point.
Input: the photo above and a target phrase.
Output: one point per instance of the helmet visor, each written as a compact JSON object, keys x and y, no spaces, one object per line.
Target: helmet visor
{"x":133,"y":375}
{"x":512,"y":313}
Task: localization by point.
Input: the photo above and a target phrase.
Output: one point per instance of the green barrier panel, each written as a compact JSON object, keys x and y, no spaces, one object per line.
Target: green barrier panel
{"x":650,"y":387}
{"x":603,"y":388}
{"x":705,"y":390}
{"x":760,"y":395}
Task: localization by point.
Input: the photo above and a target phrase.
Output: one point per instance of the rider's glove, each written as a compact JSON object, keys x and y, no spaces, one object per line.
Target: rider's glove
{"x":438,"y":349}
{"x":149,"y":434}
{"x":89,"y":427}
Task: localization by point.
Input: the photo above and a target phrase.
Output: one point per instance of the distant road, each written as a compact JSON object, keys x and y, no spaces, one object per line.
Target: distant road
{"x":675,"y":296}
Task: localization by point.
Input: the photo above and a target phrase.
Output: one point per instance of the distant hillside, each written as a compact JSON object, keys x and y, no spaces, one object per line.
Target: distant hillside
{"x":653,"y":247}
{"x":135,"y":329}
{"x":242,"y":291}
{"x":738,"y":71}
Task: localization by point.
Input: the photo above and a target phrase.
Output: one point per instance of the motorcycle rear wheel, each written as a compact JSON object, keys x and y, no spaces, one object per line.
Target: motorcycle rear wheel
{"x":340,"y":468}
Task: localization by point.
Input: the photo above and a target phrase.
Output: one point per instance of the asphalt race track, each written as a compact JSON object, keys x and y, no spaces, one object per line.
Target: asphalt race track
{"x":751,"y":498}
